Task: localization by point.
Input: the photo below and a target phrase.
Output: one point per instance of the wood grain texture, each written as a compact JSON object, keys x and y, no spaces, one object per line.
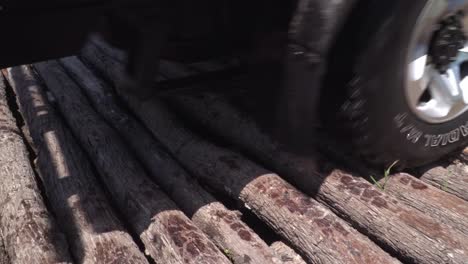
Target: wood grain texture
{"x":29,"y":231}
{"x":451,"y":178}
{"x":223,"y":226}
{"x":168,"y":235}
{"x":315,"y":231}
{"x":285,"y":254}
{"x":95,"y":233}
{"x":430,"y":200}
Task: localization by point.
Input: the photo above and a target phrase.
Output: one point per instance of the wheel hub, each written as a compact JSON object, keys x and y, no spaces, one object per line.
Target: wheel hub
{"x":437,"y":79}
{"x":446,"y":42}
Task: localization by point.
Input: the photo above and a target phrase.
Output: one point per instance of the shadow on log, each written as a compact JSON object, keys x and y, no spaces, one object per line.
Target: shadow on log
{"x":29,"y":231}
{"x":386,"y":220}
{"x":224,"y":227}
{"x":95,"y":233}
{"x":351,"y":197}
{"x":318,"y":234}
{"x":168,"y":235}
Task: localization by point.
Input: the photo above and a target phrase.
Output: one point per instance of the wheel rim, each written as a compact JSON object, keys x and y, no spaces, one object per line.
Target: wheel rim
{"x":437,"y":76}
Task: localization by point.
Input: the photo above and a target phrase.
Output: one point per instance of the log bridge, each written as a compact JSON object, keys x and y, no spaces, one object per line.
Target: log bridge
{"x":93,"y":174}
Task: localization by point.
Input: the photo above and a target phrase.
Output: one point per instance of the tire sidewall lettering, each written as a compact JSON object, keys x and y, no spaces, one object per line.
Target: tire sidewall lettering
{"x":415,"y":135}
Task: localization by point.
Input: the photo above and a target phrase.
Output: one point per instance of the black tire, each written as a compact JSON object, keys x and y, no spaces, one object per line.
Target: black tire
{"x":373,"y":112}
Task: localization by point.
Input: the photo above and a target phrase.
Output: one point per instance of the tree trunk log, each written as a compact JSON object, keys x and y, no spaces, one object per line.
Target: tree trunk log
{"x":28,"y":229}
{"x":95,"y":233}
{"x":315,"y":231}
{"x":224,"y":227}
{"x":285,"y":254}
{"x":168,"y":235}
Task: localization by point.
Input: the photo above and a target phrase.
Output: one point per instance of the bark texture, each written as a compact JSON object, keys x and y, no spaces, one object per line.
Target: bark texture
{"x":316,"y":232}
{"x":430,"y":200}
{"x":95,"y":233}
{"x":223,"y":226}
{"x":285,"y":254}
{"x":452,"y":178}
{"x":168,"y":235}
{"x":29,"y":232}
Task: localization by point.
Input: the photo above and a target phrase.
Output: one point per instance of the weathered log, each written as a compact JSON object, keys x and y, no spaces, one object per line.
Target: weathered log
{"x":351,"y":197}
{"x":168,"y":235}
{"x":451,"y":178}
{"x":285,"y":254}
{"x":28,"y":229}
{"x":94,"y":232}
{"x":314,"y":230}
{"x":430,"y":200}
{"x":223,"y":226}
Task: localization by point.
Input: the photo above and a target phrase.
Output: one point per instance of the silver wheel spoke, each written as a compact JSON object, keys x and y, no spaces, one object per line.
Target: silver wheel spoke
{"x":445,"y":87}
{"x":421,"y":75}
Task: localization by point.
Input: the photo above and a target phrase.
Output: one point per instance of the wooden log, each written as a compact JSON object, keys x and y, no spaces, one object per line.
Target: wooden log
{"x":430,"y":200}
{"x":223,"y":226}
{"x":95,"y":233}
{"x":29,"y":231}
{"x":168,"y":235}
{"x":285,"y":254}
{"x":451,"y":178}
{"x":315,"y":231}
{"x":351,"y":197}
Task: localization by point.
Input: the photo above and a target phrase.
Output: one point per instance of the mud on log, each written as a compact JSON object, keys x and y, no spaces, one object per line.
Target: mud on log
{"x":28,"y":229}
{"x":95,"y":233}
{"x":168,"y":235}
{"x":315,"y":231}
{"x":223,"y":226}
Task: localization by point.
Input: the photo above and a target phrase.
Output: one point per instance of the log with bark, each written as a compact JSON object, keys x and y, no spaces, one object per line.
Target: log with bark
{"x":29,"y":231}
{"x":451,"y":178}
{"x":314,"y":231}
{"x":430,"y":200}
{"x":95,"y":233}
{"x":168,"y":235}
{"x":223,"y":226}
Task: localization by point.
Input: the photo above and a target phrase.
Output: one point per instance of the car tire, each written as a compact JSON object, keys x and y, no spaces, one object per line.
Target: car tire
{"x":373,"y":114}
